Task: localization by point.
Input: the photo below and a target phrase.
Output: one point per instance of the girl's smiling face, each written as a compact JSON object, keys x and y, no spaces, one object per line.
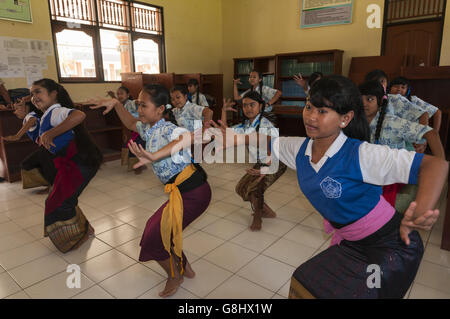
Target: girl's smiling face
{"x":401,"y":89}
{"x":148,"y":110}
{"x":41,"y":98}
{"x":178,"y":99}
{"x":122,"y":95}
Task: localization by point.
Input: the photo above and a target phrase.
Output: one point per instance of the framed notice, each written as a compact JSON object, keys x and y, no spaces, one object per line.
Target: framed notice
{"x":16,"y":10}
{"x":319,"y":13}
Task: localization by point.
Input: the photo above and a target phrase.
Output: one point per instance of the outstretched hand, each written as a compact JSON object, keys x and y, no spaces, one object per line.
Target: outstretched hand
{"x":300,"y":80}
{"x":111,"y":94}
{"x":228,"y":105}
{"x":11,"y":138}
{"x":225,"y":137}
{"x":143,"y":156}
{"x":109,"y":104}
{"x":410,"y":223}
{"x":237,"y":81}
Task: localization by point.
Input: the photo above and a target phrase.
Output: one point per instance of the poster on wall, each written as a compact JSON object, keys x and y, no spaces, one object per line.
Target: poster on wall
{"x":20,"y":57}
{"x":319,"y":13}
{"x":16,"y":10}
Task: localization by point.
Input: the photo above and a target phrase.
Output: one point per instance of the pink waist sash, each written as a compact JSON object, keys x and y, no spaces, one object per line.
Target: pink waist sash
{"x":366,"y":226}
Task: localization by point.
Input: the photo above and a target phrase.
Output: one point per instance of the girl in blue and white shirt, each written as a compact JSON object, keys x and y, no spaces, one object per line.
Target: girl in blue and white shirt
{"x":185,"y":181}
{"x":402,"y":86}
{"x":397,"y":104}
{"x":187,"y":114}
{"x":342,"y":175}
{"x":76,"y":158}
{"x":252,"y":185}
{"x":269,"y":95}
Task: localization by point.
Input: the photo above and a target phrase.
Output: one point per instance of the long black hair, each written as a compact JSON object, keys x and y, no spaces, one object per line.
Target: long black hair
{"x":402,"y":81}
{"x":33,"y":108}
{"x":376,"y":75}
{"x":341,"y":94}
{"x":374,"y":88}
{"x":195,"y":83}
{"x":87,"y":149}
{"x":314,"y":77}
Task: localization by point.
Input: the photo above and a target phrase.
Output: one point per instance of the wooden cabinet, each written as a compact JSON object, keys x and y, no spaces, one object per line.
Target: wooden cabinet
{"x":13,"y":153}
{"x":107,"y":131}
{"x":360,"y":66}
{"x":134,"y":81}
{"x":278,"y":72}
{"x":210,"y":84}
{"x":244,"y":66}
{"x":290,"y":64}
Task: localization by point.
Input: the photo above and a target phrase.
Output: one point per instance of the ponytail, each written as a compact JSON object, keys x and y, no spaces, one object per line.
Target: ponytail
{"x":374,"y":88}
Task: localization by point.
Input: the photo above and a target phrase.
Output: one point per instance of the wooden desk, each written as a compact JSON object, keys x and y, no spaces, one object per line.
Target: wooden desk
{"x":13,"y":153}
{"x":106,"y":131}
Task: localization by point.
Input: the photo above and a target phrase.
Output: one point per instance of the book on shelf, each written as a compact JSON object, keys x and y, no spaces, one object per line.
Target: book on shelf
{"x":292,"y":67}
{"x":291,"y":88}
{"x":294,"y":103}
{"x":244,"y":67}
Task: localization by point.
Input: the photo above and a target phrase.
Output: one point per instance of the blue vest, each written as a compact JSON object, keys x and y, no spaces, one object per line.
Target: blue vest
{"x":337,"y":191}
{"x":35,"y":134}
{"x":60,"y":141}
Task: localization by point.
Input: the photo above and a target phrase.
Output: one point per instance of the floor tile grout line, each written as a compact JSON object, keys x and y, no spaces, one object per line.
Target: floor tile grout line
{"x":444,"y":292}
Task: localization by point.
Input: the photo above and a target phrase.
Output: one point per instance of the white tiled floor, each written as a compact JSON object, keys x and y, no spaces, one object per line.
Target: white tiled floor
{"x":230,"y":261}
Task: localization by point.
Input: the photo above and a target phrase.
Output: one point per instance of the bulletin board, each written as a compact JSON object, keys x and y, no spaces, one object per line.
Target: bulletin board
{"x":16,"y":10}
{"x":319,"y":13}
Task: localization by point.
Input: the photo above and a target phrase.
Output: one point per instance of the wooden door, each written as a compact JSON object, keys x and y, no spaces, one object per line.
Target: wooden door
{"x":417,"y":43}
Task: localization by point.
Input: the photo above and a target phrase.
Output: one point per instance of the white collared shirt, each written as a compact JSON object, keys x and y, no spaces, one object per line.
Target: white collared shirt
{"x":58,"y":115}
{"x":379,"y":164}
{"x":333,"y":149}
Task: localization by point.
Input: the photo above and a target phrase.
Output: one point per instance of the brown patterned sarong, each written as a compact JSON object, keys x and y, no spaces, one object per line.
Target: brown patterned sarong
{"x":297,"y":291}
{"x":68,"y":234}
{"x":249,"y":183}
{"x":32,"y":178}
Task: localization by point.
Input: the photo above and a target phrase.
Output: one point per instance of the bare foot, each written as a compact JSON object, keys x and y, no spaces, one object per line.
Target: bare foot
{"x":91,"y":231}
{"x":268,"y":212}
{"x":188,"y":271}
{"x":139,"y":170}
{"x":171,"y":287}
{"x":256,"y":224}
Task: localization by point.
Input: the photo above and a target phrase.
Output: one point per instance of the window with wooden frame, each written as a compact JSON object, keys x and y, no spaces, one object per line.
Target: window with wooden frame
{"x":97,"y":40}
